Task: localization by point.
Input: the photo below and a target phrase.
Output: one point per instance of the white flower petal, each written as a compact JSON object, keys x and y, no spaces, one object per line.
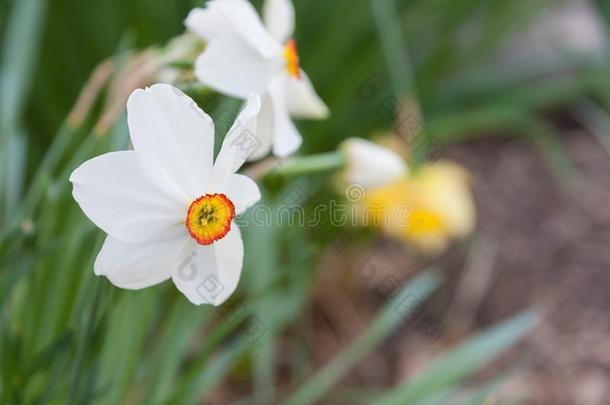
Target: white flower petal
{"x":129,"y":196}
{"x":138,"y":265}
{"x":208,"y":22}
{"x":286,"y":137}
{"x":168,"y":125}
{"x":243,"y":192}
{"x":264,"y":129}
{"x":278,"y":16}
{"x":247,"y":24}
{"x":371,"y":165}
{"x":239,"y":143}
{"x":234,"y":18}
{"x":303,"y":101}
{"x":230,"y":66}
{"x":209,"y":274}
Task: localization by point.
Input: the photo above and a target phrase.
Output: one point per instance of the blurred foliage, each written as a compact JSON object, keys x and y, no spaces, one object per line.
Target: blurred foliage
{"x":67,"y":336}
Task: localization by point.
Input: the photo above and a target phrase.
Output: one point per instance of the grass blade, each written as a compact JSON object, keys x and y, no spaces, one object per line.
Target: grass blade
{"x":385,"y":323}
{"x":462,"y":361}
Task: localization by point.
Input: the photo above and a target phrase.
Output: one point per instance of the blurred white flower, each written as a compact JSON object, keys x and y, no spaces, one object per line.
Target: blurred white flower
{"x":371,"y":165}
{"x":167,"y":206}
{"x":243,"y":56}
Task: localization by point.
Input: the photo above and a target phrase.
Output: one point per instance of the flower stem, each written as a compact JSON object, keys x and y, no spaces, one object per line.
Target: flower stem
{"x":320,"y":163}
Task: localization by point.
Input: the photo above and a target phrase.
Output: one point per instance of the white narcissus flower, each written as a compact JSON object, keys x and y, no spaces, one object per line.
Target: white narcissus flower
{"x":371,"y":165}
{"x":168,"y":208}
{"x":243,"y":56}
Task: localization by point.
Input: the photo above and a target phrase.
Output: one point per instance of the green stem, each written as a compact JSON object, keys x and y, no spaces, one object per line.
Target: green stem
{"x":394,"y":46}
{"x":320,"y":163}
{"x":183,"y":64}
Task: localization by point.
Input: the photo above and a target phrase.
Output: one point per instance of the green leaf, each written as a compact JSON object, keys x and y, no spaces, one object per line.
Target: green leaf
{"x":184,"y":323}
{"x":21,"y":44}
{"x":20,"y":47}
{"x":387,"y":19}
{"x":462,"y":361}
{"x":383,"y":325}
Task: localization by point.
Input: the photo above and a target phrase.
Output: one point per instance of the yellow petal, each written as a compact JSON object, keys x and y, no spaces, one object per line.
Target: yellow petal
{"x":427,"y":209}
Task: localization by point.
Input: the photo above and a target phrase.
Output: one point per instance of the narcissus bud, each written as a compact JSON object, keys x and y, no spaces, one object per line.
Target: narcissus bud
{"x":371,"y":165}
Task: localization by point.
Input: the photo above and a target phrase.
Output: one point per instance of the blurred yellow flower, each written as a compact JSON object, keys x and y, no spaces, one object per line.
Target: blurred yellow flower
{"x":434,"y":204}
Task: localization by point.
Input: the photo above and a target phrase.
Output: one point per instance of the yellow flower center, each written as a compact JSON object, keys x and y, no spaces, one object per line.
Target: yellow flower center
{"x":292,"y":59}
{"x":209,"y":218}
{"x":425,"y":222}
